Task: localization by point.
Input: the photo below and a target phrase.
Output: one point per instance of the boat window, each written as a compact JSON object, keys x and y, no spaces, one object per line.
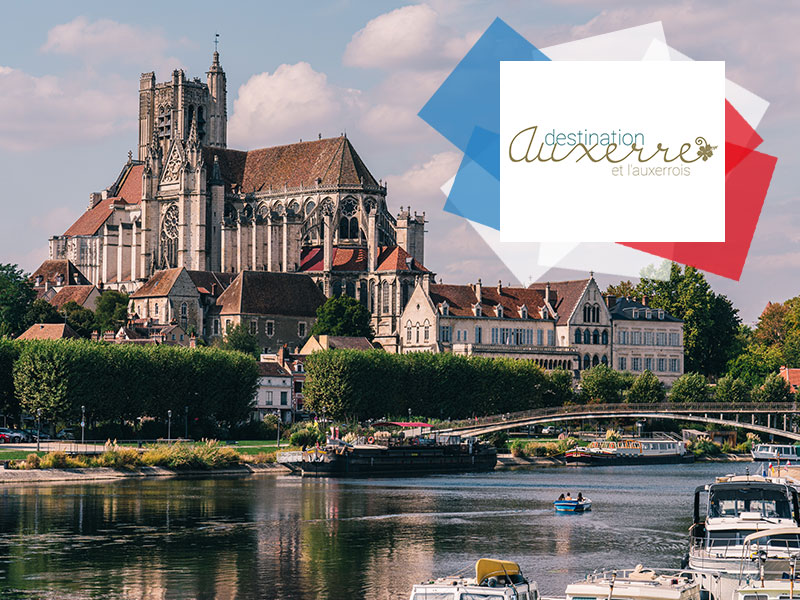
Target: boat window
{"x":784,"y":541}
{"x":769,"y":503}
{"x":727,"y":538}
{"x":480,"y":595}
{"x":755,"y":597}
{"x":434,"y":596}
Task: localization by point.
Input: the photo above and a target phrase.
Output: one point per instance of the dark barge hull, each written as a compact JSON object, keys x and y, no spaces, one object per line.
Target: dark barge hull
{"x":597,"y":461}
{"x":398,"y":461}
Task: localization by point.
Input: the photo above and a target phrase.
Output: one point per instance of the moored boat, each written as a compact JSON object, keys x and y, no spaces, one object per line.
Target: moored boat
{"x":775,"y":452}
{"x":636,"y":584}
{"x":494,"y":580}
{"x":638,"y":451}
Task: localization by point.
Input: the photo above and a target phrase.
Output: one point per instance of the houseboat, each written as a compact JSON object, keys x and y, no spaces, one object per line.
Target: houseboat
{"x":775,"y":452}
{"x":494,"y":580}
{"x":633,"y":451}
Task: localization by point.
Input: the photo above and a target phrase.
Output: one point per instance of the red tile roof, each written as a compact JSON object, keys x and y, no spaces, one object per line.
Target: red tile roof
{"x":48,"y":331}
{"x":268,"y":293}
{"x":568,"y":293}
{"x":334,"y":161}
{"x":72,"y":293}
{"x":792,"y":377}
{"x":390,"y":258}
{"x":49,"y":271}
{"x":159,"y":284}
{"x":461,"y":298}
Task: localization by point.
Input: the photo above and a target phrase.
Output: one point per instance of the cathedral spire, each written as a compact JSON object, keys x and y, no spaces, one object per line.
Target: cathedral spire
{"x":217,"y":118}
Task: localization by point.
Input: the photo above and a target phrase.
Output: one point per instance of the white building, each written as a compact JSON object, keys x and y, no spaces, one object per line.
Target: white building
{"x":274,"y":396}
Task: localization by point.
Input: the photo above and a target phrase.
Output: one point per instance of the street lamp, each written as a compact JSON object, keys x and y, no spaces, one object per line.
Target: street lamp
{"x":83,"y":424}
{"x":169,"y":426}
{"x":38,"y":428}
{"x":409,"y":413}
{"x":279,"y":430}
{"x":186,"y":422}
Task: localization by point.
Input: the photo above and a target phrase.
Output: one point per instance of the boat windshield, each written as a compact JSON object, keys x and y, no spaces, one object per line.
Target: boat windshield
{"x":736,"y":538}
{"x":769,"y":503}
{"x":423,"y":595}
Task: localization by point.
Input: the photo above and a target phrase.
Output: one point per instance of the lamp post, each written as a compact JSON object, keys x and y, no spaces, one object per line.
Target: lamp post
{"x":186,"y":422}
{"x":83,"y":424}
{"x":279,"y":430}
{"x":409,"y":414}
{"x":38,"y":428}
{"x":169,"y":426}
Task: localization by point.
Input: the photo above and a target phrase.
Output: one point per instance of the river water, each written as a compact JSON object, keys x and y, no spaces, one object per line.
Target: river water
{"x":285,"y":537}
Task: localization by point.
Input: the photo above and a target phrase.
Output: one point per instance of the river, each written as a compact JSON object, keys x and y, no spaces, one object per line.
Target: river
{"x":285,"y":537}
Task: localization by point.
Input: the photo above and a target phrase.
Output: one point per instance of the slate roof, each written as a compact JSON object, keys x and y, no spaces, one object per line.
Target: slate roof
{"x":624,"y":307}
{"x":72,"y":293}
{"x":334,"y":161}
{"x":568,"y":293}
{"x":390,"y":258}
{"x":48,"y":331}
{"x":270,"y":368}
{"x":210,"y":281}
{"x":346,"y":343}
{"x":128,"y":190}
{"x":268,"y":293}
{"x":50,"y":269}
{"x":461,"y":298}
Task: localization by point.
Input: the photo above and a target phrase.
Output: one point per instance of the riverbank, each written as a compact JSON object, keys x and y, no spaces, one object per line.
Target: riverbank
{"x":509,"y":461}
{"x":12,"y":476}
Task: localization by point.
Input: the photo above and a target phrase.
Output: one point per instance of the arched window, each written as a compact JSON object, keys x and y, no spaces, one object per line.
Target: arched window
{"x":184,"y":315}
{"x":596,"y":313}
{"x":417,"y":333}
{"x":427,"y":330}
{"x":586,"y":314}
{"x":595,"y":337}
{"x":408,"y":331}
{"x":362,"y":293}
{"x":604,"y":360}
{"x":406,"y":294}
{"x":578,"y":337}
{"x":337,"y":288}
{"x":373,"y":300}
{"x":393,"y":300}
{"x":595,"y":361}
{"x":587,"y":337}
{"x":587,"y":362}
{"x":385,"y":305}
{"x":605,"y":337}
{"x":350,"y":289}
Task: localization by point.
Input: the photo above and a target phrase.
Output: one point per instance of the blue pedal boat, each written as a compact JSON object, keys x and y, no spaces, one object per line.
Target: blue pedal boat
{"x":573,"y":505}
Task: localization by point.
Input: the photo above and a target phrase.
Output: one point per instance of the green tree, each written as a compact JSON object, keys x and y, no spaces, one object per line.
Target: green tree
{"x":622,"y":289}
{"x":41,"y":311}
{"x":772,"y":327}
{"x":755,"y":363}
{"x":239,"y":339}
{"x":710,"y":322}
{"x":111,"y":311}
{"x":343,"y":316}
{"x":690,"y":388}
{"x":774,"y":389}
{"x":16,"y":296}
{"x":9,"y":352}
{"x":731,"y":389}
{"x":603,"y":384}
{"x":646,"y":388}
{"x":79,"y":318}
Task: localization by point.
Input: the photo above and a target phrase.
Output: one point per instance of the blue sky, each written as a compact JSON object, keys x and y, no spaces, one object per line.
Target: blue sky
{"x":68,"y":100}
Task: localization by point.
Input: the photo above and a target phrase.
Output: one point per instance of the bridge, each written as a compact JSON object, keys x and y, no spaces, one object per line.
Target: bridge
{"x":728,"y":414}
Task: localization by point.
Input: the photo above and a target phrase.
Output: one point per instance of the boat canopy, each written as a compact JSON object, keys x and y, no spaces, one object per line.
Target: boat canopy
{"x":491,"y":567}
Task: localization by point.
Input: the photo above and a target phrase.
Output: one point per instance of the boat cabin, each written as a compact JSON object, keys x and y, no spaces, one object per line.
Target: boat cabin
{"x":636,"y":584}
{"x":494,"y":580}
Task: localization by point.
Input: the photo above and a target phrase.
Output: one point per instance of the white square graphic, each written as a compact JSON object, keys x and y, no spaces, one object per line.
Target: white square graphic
{"x":607,"y":151}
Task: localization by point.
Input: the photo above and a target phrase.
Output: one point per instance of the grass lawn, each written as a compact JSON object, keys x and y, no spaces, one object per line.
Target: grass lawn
{"x":17,"y":454}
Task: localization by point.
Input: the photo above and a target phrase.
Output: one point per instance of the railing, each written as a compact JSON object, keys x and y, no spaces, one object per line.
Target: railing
{"x":92,"y":446}
{"x":622,"y":409}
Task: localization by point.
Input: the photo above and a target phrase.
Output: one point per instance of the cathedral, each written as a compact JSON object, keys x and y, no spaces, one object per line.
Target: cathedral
{"x":188,"y":201}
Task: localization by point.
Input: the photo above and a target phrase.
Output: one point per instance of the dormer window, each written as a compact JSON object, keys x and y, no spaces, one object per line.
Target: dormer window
{"x":649,"y":314}
{"x":476,"y":310}
{"x":59,"y":279}
{"x":544,"y":313}
{"x":499,"y":310}
{"x":38,"y":280}
{"x":523,"y":312}
{"x":445,"y":309}
{"x":635,"y":313}
{"x":660,"y":315}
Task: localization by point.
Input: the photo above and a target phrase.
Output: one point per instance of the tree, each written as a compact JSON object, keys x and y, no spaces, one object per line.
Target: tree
{"x":603,"y":384}
{"x":239,"y":339}
{"x":690,"y":388}
{"x":774,"y":389}
{"x":41,"y":311}
{"x":710,"y":322}
{"x":731,"y":389}
{"x":343,"y":316}
{"x":16,"y":296}
{"x":771,"y":328}
{"x":755,"y":363}
{"x":646,"y":388}
{"x":111,"y":311}
{"x":79,"y":318}
{"x":622,"y":290}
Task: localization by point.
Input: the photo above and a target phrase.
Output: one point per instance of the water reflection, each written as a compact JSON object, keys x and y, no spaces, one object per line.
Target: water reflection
{"x":286,"y":537}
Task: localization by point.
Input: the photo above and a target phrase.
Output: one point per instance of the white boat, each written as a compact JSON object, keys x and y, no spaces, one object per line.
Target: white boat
{"x":494,"y":580}
{"x":636,"y":584}
{"x":775,"y":554}
{"x":775,"y":452}
{"x":736,"y":507}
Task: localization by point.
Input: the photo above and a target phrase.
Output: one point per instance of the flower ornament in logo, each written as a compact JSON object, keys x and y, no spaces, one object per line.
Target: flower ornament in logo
{"x":706,"y":150}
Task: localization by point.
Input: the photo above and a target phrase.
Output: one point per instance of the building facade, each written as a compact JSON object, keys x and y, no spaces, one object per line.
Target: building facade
{"x":274,"y":395}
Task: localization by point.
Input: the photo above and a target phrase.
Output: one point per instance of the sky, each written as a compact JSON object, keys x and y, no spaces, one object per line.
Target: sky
{"x":69,"y":77}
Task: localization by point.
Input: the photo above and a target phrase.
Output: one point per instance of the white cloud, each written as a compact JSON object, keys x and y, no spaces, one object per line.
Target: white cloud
{"x":294,"y":101}
{"x":408,"y":36}
{"x":104,"y":40}
{"x":38,"y":112}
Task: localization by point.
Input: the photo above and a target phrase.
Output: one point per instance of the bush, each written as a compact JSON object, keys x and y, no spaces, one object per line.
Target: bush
{"x":306,"y":437}
{"x":704,"y":447}
{"x":210,"y":454}
{"x":261,"y":458}
{"x":519,"y":449}
{"x":32,"y":461}
{"x":119,"y":458}
{"x":499,"y":439}
{"x":54,"y":460}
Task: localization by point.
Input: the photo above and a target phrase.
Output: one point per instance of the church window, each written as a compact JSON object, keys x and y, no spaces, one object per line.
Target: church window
{"x":337,"y":288}
{"x":184,"y":315}
{"x":394,"y":297}
{"x":216,"y":326}
{"x":362,"y":289}
{"x":350,"y":289}
{"x":427,"y":331}
{"x":310,"y":207}
{"x":595,"y":360}
{"x":587,"y":362}
{"x":169,"y":237}
{"x":201,"y":124}
{"x":164,"y":122}
{"x":417,"y":333}
{"x":408,"y":332}
{"x":595,"y":337}
{"x":604,"y":360}
{"x":587,"y":316}
{"x":301,"y":329}
{"x":587,"y":337}
{"x":406,"y":293}
{"x":578,"y":336}
{"x":605,"y":337}
{"x":385,"y":305}
{"x":269,"y":328}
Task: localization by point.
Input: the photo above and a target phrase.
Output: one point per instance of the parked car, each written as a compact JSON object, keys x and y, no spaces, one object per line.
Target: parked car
{"x":65,"y":434}
{"x":14,"y":436}
{"x":34,"y":435}
{"x":549,"y":430}
{"x":4,"y":439}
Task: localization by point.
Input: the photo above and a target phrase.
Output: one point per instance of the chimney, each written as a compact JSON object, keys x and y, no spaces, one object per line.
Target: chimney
{"x":214,"y":289}
{"x":479,"y":291}
{"x":611,"y":300}
{"x":500,"y":287}
{"x":193,"y":341}
{"x":46,"y":286}
{"x":547,"y":293}
{"x":644,"y":300}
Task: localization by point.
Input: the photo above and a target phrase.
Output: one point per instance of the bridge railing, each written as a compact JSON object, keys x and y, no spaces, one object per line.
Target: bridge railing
{"x":610,"y":410}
